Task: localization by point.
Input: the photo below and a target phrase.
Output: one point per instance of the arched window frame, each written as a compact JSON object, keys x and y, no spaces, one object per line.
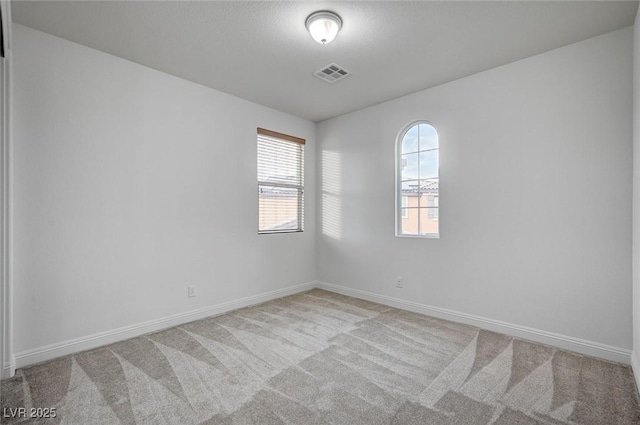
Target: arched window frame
{"x":399,"y":216}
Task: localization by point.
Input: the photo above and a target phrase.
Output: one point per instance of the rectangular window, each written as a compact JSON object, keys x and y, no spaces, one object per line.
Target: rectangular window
{"x":280,"y":182}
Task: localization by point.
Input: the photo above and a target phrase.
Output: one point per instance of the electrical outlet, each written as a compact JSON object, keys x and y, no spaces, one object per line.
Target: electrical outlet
{"x":192,"y":291}
{"x":399,"y":282}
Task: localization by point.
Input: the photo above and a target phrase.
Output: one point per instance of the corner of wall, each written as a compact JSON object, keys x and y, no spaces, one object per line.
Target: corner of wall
{"x":7,"y":359}
{"x":635,"y":355}
{"x":8,"y":368}
{"x":635,"y":367}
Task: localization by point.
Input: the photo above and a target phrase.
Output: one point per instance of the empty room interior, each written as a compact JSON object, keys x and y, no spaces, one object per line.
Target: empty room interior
{"x":291,"y":212}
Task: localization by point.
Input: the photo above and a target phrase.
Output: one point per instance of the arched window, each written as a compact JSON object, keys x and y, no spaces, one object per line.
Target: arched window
{"x":418,"y":178}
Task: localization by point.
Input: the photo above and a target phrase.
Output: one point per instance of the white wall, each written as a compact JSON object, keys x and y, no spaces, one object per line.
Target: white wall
{"x":131,"y":184}
{"x":636,"y":199}
{"x":123,"y":195}
{"x":536,"y":183}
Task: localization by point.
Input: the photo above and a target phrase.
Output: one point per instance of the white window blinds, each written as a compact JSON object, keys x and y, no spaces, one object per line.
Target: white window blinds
{"x":280,"y":182}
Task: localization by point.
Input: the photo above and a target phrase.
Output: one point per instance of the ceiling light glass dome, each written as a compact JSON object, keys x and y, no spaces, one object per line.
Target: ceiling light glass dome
{"x":323,"y":26}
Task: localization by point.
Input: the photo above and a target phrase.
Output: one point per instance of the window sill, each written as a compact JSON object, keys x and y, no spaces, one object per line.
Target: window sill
{"x":428,"y":236}
{"x":279,"y":232}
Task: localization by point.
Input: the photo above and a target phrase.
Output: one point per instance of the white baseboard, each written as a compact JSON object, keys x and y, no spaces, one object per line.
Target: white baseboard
{"x":635,"y":366}
{"x":8,"y":369}
{"x":52,"y":351}
{"x":581,"y":346}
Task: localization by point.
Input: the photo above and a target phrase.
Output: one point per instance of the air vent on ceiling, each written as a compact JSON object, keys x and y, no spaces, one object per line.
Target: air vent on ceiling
{"x":332,"y":73}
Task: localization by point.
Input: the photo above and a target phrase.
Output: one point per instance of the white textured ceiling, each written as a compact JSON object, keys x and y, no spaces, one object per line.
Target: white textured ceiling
{"x":261,"y":51}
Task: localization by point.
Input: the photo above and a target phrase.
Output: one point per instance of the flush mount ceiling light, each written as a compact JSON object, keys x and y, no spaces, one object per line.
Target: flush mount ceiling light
{"x":323,"y":26}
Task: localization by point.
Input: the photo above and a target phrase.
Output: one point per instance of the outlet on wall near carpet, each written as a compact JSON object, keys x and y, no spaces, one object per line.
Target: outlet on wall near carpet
{"x":399,"y":282}
{"x":192,"y":291}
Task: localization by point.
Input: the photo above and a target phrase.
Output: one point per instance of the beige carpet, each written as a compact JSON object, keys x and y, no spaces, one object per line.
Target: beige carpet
{"x":323,"y":358}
